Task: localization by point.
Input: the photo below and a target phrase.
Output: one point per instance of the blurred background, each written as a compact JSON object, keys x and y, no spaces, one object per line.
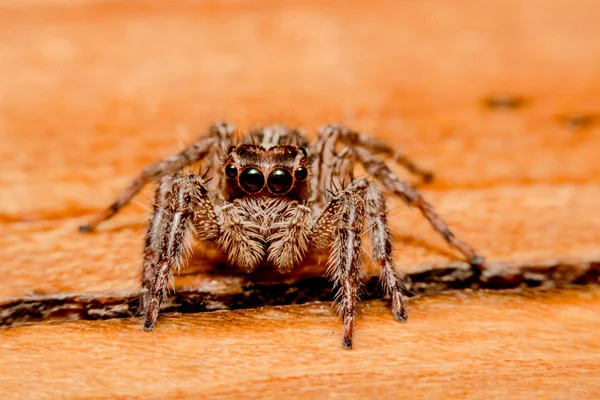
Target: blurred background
{"x":105,"y":87}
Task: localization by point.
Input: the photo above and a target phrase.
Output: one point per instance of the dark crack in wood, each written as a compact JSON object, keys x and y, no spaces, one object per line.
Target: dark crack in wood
{"x":430,"y":279}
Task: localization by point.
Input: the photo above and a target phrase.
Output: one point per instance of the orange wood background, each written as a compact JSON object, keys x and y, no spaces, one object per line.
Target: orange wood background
{"x":91,"y":91}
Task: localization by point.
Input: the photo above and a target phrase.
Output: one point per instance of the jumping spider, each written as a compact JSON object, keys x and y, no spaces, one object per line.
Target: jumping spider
{"x":273,"y":197}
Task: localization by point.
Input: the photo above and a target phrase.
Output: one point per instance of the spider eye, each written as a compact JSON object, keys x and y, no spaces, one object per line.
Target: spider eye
{"x":252,"y":180}
{"x":301,"y":173}
{"x":231,"y":171}
{"x":280,"y":181}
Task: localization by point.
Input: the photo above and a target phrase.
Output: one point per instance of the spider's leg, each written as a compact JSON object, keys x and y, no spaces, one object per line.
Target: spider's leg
{"x":185,"y":208}
{"x":341,"y":170}
{"x":323,"y":154}
{"x":274,"y":135}
{"x":358,"y":139}
{"x":218,"y":135}
{"x":377,"y":146}
{"x":376,"y":167}
{"x":152,"y":240}
{"x":403,"y":160}
{"x":393,"y":281}
{"x":340,"y":226}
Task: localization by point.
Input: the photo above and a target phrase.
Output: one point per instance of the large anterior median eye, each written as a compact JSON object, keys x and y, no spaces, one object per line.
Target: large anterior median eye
{"x":252,"y":180}
{"x":280,"y":181}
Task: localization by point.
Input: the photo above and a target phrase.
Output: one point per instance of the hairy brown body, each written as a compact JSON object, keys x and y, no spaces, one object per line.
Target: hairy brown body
{"x":271,"y":199}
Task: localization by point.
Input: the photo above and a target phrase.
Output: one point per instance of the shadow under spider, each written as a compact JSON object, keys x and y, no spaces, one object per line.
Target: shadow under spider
{"x":208,"y":261}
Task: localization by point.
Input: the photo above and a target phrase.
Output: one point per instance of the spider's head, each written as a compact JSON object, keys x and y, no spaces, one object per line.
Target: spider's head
{"x":252,"y":170}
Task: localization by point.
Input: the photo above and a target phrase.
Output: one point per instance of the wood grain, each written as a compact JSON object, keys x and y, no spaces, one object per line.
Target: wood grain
{"x":499,"y":98}
{"x":477,"y":345}
{"x":226,"y":292}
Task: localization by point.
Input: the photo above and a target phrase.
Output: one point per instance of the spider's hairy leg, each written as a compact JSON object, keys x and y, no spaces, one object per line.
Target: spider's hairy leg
{"x":273,"y":135}
{"x":403,"y":160}
{"x":377,"y":168}
{"x":353,"y":138}
{"x":218,"y":136}
{"x":323,"y":153}
{"x":341,"y":224}
{"x":151,"y":240}
{"x":393,"y":281}
{"x":342,"y":169}
{"x":186,"y":209}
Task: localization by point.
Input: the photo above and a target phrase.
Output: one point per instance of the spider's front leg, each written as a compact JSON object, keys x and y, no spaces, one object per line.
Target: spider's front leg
{"x":340,"y":226}
{"x":215,"y":140}
{"x":183,"y":207}
{"x":393,"y":281}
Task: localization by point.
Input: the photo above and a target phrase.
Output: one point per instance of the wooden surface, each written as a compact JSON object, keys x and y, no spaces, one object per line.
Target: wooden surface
{"x":500,"y":99}
{"x":542,"y":345}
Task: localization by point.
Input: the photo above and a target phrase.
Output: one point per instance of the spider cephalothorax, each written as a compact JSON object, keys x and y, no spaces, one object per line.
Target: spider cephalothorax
{"x":270,"y":200}
{"x":253,"y":170}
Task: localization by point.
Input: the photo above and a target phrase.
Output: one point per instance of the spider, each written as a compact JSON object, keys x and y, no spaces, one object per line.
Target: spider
{"x":273,"y":197}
